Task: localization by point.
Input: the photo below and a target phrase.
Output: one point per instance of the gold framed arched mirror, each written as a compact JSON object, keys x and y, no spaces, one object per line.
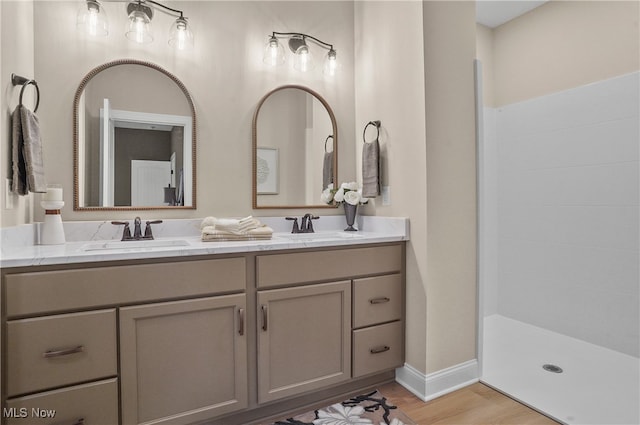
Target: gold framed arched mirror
{"x":134,"y":133}
{"x":295,"y":149}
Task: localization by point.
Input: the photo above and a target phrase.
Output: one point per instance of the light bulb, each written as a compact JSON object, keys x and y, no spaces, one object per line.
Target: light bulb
{"x":331,"y":64}
{"x":180,"y":35}
{"x":273,"y":52}
{"x":139,"y":27}
{"x":303,"y":61}
{"x":92,"y":19}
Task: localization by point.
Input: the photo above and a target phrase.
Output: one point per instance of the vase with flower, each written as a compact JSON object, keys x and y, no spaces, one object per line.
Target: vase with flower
{"x":350,"y":196}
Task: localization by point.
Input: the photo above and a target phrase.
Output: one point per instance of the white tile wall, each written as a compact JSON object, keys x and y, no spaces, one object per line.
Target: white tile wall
{"x":568,"y":184}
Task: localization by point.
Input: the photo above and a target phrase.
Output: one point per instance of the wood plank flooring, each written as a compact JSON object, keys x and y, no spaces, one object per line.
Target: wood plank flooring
{"x":473,"y":405}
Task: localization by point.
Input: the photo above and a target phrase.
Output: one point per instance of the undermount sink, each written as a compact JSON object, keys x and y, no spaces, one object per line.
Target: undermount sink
{"x":319,"y":236}
{"x":134,"y":245}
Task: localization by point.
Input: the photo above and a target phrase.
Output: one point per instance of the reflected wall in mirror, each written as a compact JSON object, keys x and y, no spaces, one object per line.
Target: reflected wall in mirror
{"x":134,"y":129}
{"x":295,"y":145}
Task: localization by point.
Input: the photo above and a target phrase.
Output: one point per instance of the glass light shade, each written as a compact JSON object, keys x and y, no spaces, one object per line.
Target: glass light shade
{"x":273,"y":52}
{"x":330,"y":67}
{"x":92,"y":19}
{"x":303,"y":59}
{"x":180,"y":35}
{"x":139,"y":27}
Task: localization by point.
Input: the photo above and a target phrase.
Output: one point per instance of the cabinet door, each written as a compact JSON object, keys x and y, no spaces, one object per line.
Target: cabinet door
{"x":183,"y":361}
{"x":304,"y":340}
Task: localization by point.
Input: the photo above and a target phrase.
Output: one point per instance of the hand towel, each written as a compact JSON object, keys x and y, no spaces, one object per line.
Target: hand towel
{"x":211,"y":233}
{"x":371,"y":169}
{"x":232,"y":225}
{"x":28,"y":167}
{"x":327,"y":170}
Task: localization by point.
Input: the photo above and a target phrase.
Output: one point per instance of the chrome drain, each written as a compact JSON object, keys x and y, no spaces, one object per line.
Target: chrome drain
{"x":552,"y":368}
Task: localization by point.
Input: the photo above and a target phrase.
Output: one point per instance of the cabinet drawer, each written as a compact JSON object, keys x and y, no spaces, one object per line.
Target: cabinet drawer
{"x":95,"y":404}
{"x":301,"y":267}
{"x":57,"y":291}
{"x":377,"y":300}
{"x":378,"y":348}
{"x":60,"y":350}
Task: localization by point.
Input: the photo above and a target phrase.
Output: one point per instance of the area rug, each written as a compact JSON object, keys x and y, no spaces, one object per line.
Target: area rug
{"x":371,"y":408}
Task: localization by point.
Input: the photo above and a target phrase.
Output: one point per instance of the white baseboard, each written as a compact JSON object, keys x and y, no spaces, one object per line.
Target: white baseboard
{"x":434,"y":385}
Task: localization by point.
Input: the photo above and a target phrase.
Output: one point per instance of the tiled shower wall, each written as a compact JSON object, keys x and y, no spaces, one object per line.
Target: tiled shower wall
{"x":565,"y":186}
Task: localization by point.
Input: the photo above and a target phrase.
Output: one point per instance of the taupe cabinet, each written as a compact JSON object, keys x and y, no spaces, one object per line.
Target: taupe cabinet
{"x":304,"y":339}
{"x":222,"y":339}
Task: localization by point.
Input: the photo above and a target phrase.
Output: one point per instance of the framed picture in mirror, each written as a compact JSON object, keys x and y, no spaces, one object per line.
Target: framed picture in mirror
{"x":267,"y":171}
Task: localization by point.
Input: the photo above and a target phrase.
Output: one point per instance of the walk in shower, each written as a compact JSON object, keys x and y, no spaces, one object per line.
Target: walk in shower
{"x":559,"y":251}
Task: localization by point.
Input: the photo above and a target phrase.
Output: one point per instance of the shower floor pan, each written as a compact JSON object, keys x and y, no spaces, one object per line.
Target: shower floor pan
{"x":596,"y":385}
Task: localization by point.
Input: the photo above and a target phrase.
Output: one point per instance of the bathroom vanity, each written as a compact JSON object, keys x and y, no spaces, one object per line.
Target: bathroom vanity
{"x":208,"y":333}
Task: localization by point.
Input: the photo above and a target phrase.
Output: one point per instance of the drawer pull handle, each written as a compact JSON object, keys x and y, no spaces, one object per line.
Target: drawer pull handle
{"x":64,"y":352}
{"x":79,"y":421}
{"x":378,"y":350}
{"x":379,"y":300}
{"x":264,"y":317}
{"x":241,"y":319}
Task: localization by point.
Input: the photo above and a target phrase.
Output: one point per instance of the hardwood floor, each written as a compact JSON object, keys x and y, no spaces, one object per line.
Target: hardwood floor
{"x":473,"y":405}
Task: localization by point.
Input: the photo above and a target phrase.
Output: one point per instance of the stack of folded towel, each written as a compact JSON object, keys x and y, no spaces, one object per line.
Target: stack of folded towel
{"x":229,"y":229}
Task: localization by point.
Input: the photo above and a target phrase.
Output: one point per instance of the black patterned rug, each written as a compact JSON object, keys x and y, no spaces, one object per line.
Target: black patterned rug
{"x":372,"y":408}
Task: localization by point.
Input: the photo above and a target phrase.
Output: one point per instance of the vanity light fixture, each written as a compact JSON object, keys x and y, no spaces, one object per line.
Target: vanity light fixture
{"x":303,"y":58}
{"x":92,"y":19}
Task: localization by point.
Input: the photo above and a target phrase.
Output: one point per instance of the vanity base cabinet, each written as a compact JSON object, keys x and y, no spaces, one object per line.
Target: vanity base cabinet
{"x":183,"y":361}
{"x":95,"y":403}
{"x":304,"y":340}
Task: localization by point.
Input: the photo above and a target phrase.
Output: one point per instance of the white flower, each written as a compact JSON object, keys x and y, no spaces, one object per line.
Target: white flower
{"x":339,"y":195}
{"x":352,"y":197}
{"x":342,"y":416}
{"x":349,"y":186}
{"x":327,"y":196}
{"x":363,"y":200}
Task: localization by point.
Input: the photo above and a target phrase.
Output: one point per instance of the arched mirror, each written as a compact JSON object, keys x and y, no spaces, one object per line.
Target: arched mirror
{"x":134,"y":130}
{"x":295,"y":149}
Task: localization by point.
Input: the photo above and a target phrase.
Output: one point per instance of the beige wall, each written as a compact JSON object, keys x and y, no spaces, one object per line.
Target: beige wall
{"x":417,"y":79}
{"x":390,"y":88}
{"x":451,"y":182}
{"x":17,"y":56}
{"x":564,"y":44}
{"x":484,"y":52}
{"x":224,"y":74}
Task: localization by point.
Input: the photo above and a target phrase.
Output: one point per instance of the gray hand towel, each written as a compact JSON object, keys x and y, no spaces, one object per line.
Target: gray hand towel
{"x":327,"y":170}
{"x":371,"y":169}
{"x":28,"y":167}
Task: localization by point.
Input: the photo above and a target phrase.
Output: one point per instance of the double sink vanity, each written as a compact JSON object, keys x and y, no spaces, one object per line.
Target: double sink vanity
{"x":177,"y":331}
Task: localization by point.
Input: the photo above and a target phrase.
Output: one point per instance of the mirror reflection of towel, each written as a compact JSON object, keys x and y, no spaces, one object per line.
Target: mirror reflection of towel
{"x":327,"y":170}
{"x":28,"y":167}
{"x":371,"y":169}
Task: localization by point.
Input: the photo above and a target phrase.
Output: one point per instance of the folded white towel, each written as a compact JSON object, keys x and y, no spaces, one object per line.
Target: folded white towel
{"x":232,"y":225}
{"x":212,"y":233}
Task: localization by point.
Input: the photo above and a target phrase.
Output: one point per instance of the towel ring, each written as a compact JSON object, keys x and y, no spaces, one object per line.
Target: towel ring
{"x":364,"y":132}
{"x":18,"y":80}
{"x":325,"y":142}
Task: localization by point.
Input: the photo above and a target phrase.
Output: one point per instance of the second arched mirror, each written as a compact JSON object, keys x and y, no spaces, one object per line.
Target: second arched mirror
{"x":295,"y":149}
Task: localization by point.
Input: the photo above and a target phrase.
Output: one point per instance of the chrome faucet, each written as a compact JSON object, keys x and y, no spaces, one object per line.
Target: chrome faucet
{"x":137,"y":229}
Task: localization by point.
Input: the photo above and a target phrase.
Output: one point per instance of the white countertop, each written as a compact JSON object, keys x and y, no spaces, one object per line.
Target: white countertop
{"x":19,"y":250}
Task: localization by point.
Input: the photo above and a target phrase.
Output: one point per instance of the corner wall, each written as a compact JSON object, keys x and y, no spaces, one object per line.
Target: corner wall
{"x":416,"y":77}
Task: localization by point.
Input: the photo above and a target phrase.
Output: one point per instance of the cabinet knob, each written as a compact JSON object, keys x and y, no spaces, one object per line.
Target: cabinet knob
{"x":379,"y":300}
{"x":378,"y":350}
